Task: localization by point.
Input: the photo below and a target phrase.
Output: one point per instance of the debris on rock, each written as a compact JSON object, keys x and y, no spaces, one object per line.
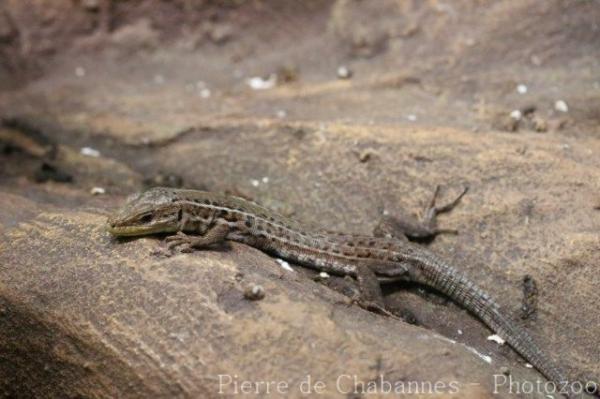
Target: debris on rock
{"x":262,"y":83}
{"x":497,"y":339}
{"x":97,"y":191}
{"x":90,"y":152}
{"x":561,"y":106}
{"x":530,"y":298}
{"x":254,"y":293}
{"x":220,"y":33}
{"x":284,"y":265}
{"x":516,"y":115}
{"x":287,"y":74}
{"x":343,"y":72}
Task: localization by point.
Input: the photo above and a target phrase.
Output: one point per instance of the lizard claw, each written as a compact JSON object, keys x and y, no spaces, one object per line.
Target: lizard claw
{"x":180,"y":240}
{"x":177,"y":236}
{"x":373,"y":307}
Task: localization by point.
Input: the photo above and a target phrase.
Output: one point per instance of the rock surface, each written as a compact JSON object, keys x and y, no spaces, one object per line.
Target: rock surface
{"x":430,"y":101}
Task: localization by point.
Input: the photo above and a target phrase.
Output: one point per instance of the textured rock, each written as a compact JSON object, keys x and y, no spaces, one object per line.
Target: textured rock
{"x":84,"y":314}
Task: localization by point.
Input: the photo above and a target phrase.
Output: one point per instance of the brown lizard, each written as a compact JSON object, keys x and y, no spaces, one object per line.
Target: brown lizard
{"x":213,"y":218}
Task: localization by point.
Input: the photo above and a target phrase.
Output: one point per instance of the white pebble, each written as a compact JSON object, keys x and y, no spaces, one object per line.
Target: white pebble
{"x":284,"y":265}
{"x":323,"y":275}
{"x":254,"y":293}
{"x":90,"y":152}
{"x":281,"y":114}
{"x":528,"y":365}
{"x":521,"y":89}
{"x":497,"y":339}
{"x":460,"y":332}
{"x":343,"y":72}
{"x":205,"y":93}
{"x":561,"y":106}
{"x":265,"y":179}
{"x":516,"y":115}
{"x":254,"y":182}
{"x":411,"y":117}
{"x":260,"y":83}
{"x":97,"y":191}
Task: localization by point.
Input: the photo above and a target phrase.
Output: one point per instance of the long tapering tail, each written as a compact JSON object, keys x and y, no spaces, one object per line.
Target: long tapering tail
{"x":446,"y":279}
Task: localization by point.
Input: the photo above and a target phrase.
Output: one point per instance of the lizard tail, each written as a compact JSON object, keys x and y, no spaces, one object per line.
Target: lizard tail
{"x":464,"y":292}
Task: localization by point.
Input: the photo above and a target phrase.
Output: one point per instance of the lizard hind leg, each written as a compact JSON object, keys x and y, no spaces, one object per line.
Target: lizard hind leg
{"x":409,"y":228}
{"x":433,"y":210}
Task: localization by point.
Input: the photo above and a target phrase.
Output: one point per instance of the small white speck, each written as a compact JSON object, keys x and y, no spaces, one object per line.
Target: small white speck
{"x":159,"y":79}
{"x":260,"y":83}
{"x":265,"y":179}
{"x":254,"y":182}
{"x":497,"y":339}
{"x":284,"y":265}
{"x":411,"y":117}
{"x":281,"y":114}
{"x":516,"y":115}
{"x":460,"y":332}
{"x":521,"y":89}
{"x":485,"y":358}
{"x":205,"y":93}
{"x":80,"y":72}
{"x":178,"y":336}
{"x":343,"y":72}
{"x":97,"y":191}
{"x":561,"y":106}
{"x":565,"y":146}
{"x":90,"y":152}
{"x":323,"y":275}
{"x":385,"y":212}
{"x":529,"y":366}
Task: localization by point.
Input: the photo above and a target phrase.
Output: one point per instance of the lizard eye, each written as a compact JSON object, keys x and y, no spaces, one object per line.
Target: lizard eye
{"x":147,"y":218}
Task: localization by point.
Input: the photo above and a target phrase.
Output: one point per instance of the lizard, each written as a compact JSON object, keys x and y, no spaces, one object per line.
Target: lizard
{"x":199,"y":219}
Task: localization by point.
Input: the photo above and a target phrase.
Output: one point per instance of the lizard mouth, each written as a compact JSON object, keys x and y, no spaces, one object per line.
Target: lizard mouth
{"x":123,"y":231}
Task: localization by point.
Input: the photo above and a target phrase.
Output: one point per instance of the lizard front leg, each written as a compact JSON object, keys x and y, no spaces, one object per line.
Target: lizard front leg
{"x":215,"y":235}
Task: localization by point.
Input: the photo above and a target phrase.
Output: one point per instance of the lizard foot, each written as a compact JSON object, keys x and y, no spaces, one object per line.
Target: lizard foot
{"x":181,"y":241}
{"x":371,"y":306}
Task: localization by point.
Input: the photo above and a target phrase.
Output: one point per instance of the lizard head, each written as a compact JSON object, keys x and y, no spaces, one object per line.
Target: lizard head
{"x":153,"y":211}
